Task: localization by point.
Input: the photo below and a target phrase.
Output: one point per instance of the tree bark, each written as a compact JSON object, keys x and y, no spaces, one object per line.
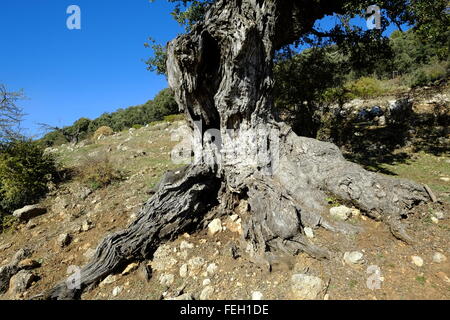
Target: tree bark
{"x":221,"y":73}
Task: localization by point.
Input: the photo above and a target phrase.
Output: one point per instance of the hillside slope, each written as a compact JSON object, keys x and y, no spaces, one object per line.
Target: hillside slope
{"x":210,"y":264}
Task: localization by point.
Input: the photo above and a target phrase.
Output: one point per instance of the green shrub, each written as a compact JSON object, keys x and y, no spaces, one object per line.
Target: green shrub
{"x":174,"y":118}
{"x":428,"y":74}
{"x":7,"y":222}
{"x":365,"y":87}
{"x":25,"y":172}
{"x":137,"y":126}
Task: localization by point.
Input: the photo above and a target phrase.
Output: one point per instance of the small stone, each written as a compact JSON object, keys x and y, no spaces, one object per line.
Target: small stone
{"x":435,"y":220}
{"x":116,"y":291}
{"x":87,"y":225}
{"x":130,"y":268}
{"x":183,"y":297}
{"x":355,"y":257}
{"x":29,"y":212}
{"x":212,"y":269}
{"x":108,"y":280}
{"x":184,"y":269}
{"x":234,"y":217}
{"x":256,"y":295}
{"x":196,"y":264}
{"x":207,"y":293}
{"x":166,"y":279}
{"x":145,"y":272}
{"x":162,"y":259}
{"x":439,"y":215}
{"x":445,"y":179}
{"x":206,"y":282}
{"x":439,"y":258}
{"x":306,"y":287}
{"x":20,"y":255}
{"x":20,"y":282}
{"x":28,"y":264}
{"x":341,"y":212}
{"x":356,"y":213}
{"x":418,"y":261}
{"x":326,"y":297}
{"x":31,"y":225}
{"x":184,"y":245}
{"x":309,"y":232}
{"x":64,"y":240}
{"x":214,"y":227}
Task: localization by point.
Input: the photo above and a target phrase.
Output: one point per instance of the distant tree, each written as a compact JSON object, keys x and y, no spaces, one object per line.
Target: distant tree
{"x":72,"y":134}
{"x":10,"y":113}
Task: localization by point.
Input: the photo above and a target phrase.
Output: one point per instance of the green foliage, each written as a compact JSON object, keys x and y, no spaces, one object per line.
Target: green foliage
{"x":162,"y":105}
{"x":189,"y":12}
{"x":429,"y":73}
{"x":174,"y":117}
{"x":25,"y":172}
{"x":157,"y":62}
{"x":365,"y":87}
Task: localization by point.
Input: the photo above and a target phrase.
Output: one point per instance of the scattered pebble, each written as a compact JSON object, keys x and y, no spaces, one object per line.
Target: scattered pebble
{"x":214,"y":227}
{"x":309,"y":232}
{"x":306,"y":287}
{"x":341,"y":212}
{"x":116,"y":291}
{"x":130,"y":268}
{"x":212,"y":269}
{"x":354,"y":257}
{"x":439,"y":257}
{"x":256,"y":295}
{"x":418,"y":261}
{"x":207,"y":293}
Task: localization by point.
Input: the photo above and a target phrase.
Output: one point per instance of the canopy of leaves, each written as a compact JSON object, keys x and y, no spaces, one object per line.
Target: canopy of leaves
{"x":430,"y":20}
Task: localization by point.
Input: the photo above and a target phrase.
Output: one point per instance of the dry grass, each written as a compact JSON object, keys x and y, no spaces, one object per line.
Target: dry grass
{"x":97,"y":172}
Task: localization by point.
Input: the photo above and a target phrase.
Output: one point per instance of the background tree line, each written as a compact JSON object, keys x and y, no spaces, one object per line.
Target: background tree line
{"x":153,"y":110}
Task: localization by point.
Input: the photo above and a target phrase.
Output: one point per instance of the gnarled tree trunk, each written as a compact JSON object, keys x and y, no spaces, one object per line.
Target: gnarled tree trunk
{"x":221,"y":73}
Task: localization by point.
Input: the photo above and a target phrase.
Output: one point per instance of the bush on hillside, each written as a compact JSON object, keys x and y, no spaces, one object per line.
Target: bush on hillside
{"x":25,"y":171}
{"x":174,"y":118}
{"x":365,"y":87}
{"x":428,"y":74}
{"x":104,"y":131}
{"x":97,"y":172}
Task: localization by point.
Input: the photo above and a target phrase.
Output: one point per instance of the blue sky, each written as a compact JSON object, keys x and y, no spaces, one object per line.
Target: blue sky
{"x":69,"y":74}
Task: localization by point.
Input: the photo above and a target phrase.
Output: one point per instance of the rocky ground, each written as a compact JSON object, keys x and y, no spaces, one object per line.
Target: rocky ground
{"x":49,"y":244}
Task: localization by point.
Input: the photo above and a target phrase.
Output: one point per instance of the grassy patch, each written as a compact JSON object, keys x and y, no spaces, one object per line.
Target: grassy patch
{"x":421,"y":279}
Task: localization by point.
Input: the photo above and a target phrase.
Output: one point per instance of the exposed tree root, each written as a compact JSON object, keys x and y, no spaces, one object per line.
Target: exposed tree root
{"x":179,"y":206}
